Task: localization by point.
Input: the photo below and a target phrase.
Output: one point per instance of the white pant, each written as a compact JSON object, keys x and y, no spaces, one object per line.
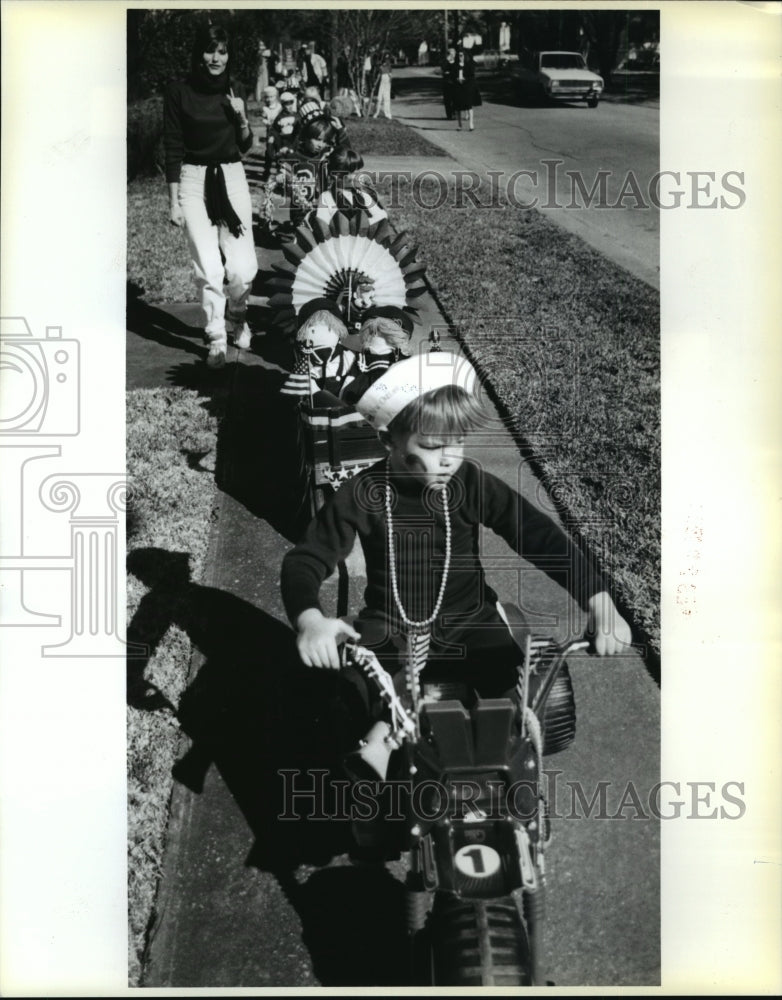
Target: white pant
{"x":207,"y":241}
{"x":384,"y":96}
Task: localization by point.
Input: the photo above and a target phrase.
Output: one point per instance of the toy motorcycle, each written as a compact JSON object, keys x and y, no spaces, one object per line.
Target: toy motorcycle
{"x":476,"y":820}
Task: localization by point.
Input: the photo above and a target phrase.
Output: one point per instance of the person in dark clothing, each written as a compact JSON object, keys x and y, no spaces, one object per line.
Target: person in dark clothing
{"x":346,"y":86}
{"x":449,"y":82}
{"x":466,"y":95}
{"x":418,"y":514}
{"x":205,"y":134}
{"x":344,"y":77}
{"x":305,"y":168}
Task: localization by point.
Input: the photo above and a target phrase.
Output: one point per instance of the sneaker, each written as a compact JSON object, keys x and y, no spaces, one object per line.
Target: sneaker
{"x":244,"y":338}
{"x":216,"y":356}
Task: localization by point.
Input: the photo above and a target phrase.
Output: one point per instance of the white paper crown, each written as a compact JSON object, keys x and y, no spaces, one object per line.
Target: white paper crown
{"x":411,"y":378}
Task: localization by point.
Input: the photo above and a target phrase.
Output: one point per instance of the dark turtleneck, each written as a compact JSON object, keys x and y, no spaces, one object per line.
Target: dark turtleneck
{"x":199,"y":124}
{"x":357,"y":509}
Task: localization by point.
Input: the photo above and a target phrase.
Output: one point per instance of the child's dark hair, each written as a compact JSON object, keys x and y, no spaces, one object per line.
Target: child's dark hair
{"x":318,"y":129}
{"x":207,"y":38}
{"x":449,"y":411}
{"x":345,"y":161}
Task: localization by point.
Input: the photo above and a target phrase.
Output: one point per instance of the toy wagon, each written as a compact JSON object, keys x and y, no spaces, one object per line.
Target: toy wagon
{"x":336,"y":443}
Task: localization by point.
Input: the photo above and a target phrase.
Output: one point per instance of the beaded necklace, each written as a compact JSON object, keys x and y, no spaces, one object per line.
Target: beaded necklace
{"x":423,"y":625}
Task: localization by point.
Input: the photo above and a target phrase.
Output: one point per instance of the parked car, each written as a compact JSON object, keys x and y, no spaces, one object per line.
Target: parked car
{"x":560,"y":76}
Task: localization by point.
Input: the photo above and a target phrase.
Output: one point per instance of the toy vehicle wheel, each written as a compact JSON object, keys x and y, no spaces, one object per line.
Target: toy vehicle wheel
{"x":559,"y":720}
{"x":479,"y":942}
{"x":592,"y":102}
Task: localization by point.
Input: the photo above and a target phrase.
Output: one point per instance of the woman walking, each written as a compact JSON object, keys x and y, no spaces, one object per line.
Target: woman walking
{"x":449,"y":82}
{"x":205,"y":133}
{"x":384,"y":87}
{"x":466,"y":95}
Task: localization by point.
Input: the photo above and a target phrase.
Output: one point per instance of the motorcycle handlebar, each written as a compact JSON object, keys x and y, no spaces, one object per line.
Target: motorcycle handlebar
{"x":353,"y":654}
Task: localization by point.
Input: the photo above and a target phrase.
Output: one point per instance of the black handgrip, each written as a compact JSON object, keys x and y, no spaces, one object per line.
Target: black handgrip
{"x":561,"y":653}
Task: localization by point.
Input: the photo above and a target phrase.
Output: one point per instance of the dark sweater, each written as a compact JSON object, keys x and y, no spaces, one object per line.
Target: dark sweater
{"x":476,"y":497}
{"x":200,"y":128}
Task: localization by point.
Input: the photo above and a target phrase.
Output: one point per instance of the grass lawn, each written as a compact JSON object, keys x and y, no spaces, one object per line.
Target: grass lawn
{"x":384,"y":137}
{"x":170,"y":439}
{"x":158,"y":260}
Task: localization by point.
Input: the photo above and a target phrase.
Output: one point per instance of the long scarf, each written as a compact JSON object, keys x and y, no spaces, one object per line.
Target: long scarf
{"x":218,"y":204}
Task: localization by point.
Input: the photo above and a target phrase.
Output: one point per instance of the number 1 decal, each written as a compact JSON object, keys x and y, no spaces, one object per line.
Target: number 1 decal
{"x":477,"y":860}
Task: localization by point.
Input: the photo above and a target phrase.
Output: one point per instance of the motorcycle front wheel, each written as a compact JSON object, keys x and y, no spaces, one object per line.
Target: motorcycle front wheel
{"x":478,"y":942}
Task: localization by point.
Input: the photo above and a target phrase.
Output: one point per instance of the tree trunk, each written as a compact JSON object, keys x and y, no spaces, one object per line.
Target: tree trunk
{"x":334,"y":47}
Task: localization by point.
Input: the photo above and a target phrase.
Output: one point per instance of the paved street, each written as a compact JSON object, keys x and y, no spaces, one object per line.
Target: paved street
{"x":622,"y":139}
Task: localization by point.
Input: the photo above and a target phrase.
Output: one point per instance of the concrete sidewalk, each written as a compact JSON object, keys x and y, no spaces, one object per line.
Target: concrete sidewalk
{"x":249,"y":900}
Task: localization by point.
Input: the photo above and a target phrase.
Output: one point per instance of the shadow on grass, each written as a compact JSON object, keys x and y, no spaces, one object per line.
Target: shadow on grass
{"x":253,"y":711}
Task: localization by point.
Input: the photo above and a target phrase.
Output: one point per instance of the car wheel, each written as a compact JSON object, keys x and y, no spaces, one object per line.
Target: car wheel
{"x":592,"y":102}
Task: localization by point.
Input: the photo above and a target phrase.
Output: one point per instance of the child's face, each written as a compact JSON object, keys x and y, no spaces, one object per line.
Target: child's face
{"x":364,"y":297}
{"x":376,"y":344}
{"x":315,"y":146}
{"x":433,"y":459}
{"x":319,"y":339}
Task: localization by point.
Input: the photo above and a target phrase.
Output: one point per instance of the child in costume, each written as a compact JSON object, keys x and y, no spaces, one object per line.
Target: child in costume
{"x":271,"y":105}
{"x":290,"y":102}
{"x":312,"y":109}
{"x":344,"y":192}
{"x":322,"y":363}
{"x":417,"y":514}
{"x":305,"y":168}
{"x":385,"y":339}
{"x":280,"y":142}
